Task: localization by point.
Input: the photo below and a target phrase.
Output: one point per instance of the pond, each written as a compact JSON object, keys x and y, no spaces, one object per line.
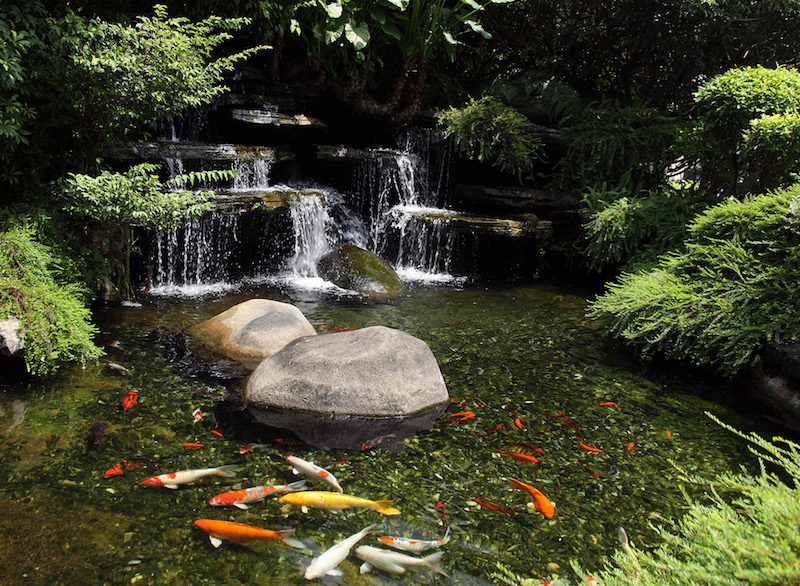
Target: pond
{"x":523,"y":359}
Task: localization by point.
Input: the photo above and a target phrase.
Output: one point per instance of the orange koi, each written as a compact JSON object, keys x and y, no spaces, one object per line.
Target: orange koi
{"x":560,"y":415}
{"x":249,"y":447}
{"x":478,"y":402}
{"x":540,"y":502}
{"x":124,"y":466}
{"x":606,"y":404}
{"x":462,"y":416}
{"x":490,"y":506}
{"x":194,"y":446}
{"x":288,"y":442}
{"x":216,"y":433}
{"x":239,"y":533}
{"x":129,"y":400}
{"x":630,"y":446}
{"x":668,"y":433}
{"x":583,"y":446}
{"x":519,"y":457}
{"x":518,"y":421}
{"x":526,"y":446}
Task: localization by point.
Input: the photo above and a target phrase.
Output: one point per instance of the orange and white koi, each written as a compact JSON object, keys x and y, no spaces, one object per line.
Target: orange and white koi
{"x":583,"y":446}
{"x":197,"y":415}
{"x":313,"y":471}
{"x":246,"y":496}
{"x":250,"y":447}
{"x":441,"y":511}
{"x":540,"y":502}
{"x":490,"y":506}
{"x":517,"y":456}
{"x":174,"y":479}
{"x":396,"y":562}
{"x":334,"y":501}
{"x":219,"y":531}
{"x":414,"y":545}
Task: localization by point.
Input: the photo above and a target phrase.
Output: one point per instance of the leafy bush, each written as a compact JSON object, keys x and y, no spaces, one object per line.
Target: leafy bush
{"x":53,"y":317}
{"x":771,"y":148}
{"x":732,"y":290}
{"x":488,"y":130}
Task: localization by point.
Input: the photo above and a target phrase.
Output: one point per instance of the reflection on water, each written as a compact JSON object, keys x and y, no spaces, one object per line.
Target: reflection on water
{"x":512,"y":357}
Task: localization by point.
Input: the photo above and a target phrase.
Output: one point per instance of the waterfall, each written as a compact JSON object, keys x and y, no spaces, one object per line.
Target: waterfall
{"x":309,"y":217}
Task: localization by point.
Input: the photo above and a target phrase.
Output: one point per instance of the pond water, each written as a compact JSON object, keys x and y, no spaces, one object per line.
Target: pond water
{"x":524,"y":354}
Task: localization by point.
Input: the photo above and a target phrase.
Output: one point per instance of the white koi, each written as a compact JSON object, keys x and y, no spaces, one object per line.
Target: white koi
{"x":415,"y":545}
{"x":326,"y":563}
{"x":396,"y":562}
{"x":174,"y":479}
{"x":313,"y":471}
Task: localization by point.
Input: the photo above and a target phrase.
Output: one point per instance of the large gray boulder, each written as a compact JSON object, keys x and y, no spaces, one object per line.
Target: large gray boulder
{"x":371,"y":372}
{"x":253,"y":330}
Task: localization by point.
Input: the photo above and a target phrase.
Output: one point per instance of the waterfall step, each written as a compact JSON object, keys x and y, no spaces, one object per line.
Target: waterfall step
{"x":264,"y":199}
{"x":195,"y":151}
{"x":521,"y":226}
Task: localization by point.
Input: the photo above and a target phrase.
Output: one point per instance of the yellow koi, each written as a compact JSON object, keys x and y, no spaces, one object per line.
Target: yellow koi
{"x":334,"y":501}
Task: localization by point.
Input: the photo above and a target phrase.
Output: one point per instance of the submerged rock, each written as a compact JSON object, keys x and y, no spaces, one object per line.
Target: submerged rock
{"x":356,"y":269}
{"x":253,"y":330}
{"x":371,"y":372}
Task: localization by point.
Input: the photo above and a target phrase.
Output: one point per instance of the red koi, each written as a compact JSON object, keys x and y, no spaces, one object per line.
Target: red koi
{"x":630,"y":446}
{"x":129,"y":400}
{"x":488,"y":430}
{"x":288,"y":442}
{"x":668,"y":433}
{"x":518,"y":421}
{"x":216,"y":433}
{"x":606,"y":404}
{"x":583,"y":446}
{"x":589,"y":470}
{"x":560,"y":415}
{"x":490,"y":506}
{"x":519,"y":457}
{"x":369,"y":444}
{"x":525,"y":446}
{"x":192,"y":445}
{"x":478,"y":402}
{"x":463,"y":405}
{"x":442,"y":512}
{"x":127,"y":465}
{"x":462,"y":416}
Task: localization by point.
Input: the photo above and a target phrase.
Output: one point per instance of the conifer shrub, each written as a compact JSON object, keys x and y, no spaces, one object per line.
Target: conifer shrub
{"x":731,"y":290}
{"x":54,"y":319}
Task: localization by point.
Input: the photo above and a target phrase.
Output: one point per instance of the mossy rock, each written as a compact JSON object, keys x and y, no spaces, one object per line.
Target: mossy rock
{"x":356,"y":269}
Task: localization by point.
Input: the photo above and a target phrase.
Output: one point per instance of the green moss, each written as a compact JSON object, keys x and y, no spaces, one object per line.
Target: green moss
{"x":354,"y":268}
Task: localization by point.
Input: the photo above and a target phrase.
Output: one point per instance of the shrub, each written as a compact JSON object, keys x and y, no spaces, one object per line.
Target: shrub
{"x":732,"y":290}
{"x":771,"y":148}
{"x":53,"y":317}
{"x":488,"y":130}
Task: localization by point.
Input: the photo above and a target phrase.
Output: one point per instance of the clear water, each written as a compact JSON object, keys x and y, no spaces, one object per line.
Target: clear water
{"x":508,"y":353}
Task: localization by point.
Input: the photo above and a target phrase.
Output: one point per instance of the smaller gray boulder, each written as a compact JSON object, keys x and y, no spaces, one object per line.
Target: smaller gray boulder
{"x":253,"y":330}
{"x":356,"y":269}
{"x":371,"y":372}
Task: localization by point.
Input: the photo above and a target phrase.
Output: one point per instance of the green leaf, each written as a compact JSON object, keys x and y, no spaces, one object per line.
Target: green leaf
{"x":358,"y":36}
{"x":476,"y":26}
{"x":334,"y":10}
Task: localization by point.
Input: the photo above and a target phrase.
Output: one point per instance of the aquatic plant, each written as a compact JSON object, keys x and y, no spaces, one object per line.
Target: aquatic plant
{"x":719,"y":301}
{"x":54,"y":320}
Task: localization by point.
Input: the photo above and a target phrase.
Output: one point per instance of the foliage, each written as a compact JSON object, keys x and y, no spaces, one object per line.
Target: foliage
{"x":750,"y":539}
{"x":53,"y":318}
{"x":488,"y":130}
{"x":633,"y":230}
{"x":771,"y":150}
{"x":121,"y":78}
{"x":726,"y":107}
{"x":731,"y":291}
{"x":625,"y":147}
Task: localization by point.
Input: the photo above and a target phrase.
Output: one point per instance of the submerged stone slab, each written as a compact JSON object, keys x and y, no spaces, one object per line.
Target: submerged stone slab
{"x":371,"y":372}
{"x":253,"y":330}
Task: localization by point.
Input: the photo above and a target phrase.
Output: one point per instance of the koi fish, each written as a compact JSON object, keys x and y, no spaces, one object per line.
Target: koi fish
{"x":606,"y":404}
{"x":288,"y":442}
{"x":129,"y":400}
{"x":488,"y":430}
{"x":462,"y":416}
{"x":246,"y":496}
{"x":331,"y":328}
{"x":369,"y":444}
{"x":478,"y":402}
{"x":313,"y":471}
{"x":589,"y":470}
{"x":115,"y":344}
{"x":119,"y":368}
{"x":518,"y":421}
{"x":197,"y":415}
{"x":526,"y":446}
{"x":326,"y":563}
{"x":193,"y":445}
{"x":518,"y":456}
{"x":124,"y":466}
{"x":540,"y":502}
{"x":442,"y":513}
{"x":630,"y":446}
{"x":250,"y":447}
{"x":97,"y":432}
{"x":583,"y":446}
{"x":239,"y":533}
{"x":414,"y":545}
{"x":560,"y":415}
{"x":334,"y":501}
{"x":490,"y":506}
{"x":216,"y":433}
{"x":174,"y":479}
{"x":396,"y":562}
